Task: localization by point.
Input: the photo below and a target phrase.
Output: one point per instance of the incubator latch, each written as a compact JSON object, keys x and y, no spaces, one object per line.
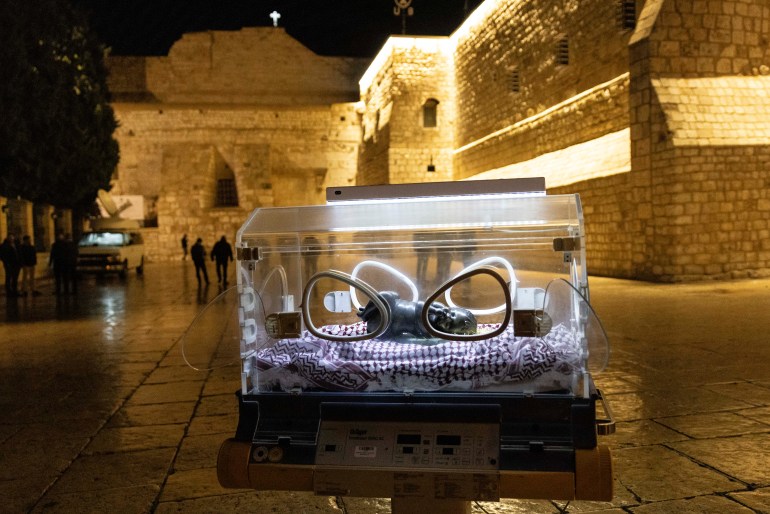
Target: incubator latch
{"x":566,"y":244}
{"x":531,"y":323}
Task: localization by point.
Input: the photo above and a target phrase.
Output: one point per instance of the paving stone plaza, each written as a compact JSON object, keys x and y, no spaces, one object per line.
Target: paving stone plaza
{"x":101,"y":414}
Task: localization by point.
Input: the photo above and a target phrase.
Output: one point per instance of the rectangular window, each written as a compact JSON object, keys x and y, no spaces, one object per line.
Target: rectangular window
{"x":626,"y":15}
{"x":514,"y":81}
{"x":562,"y":51}
{"x":227,"y":196}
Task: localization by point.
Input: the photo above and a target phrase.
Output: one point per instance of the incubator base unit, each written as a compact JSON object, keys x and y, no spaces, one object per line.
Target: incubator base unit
{"x":430,"y":343}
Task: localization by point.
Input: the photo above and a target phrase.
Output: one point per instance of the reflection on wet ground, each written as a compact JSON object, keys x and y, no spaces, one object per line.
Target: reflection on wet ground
{"x":101,"y":413}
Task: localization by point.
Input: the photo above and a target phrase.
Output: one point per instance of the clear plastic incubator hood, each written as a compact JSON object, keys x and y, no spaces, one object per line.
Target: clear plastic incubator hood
{"x":431,"y":343}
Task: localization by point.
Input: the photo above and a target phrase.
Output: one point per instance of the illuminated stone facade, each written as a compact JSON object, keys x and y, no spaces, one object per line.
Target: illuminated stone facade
{"x":253,"y":109}
{"x":656,"y":112}
{"x":399,"y":144}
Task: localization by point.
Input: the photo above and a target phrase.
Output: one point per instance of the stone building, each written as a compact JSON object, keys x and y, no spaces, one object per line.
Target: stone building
{"x":656,"y":111}
{"x":227,"y":122}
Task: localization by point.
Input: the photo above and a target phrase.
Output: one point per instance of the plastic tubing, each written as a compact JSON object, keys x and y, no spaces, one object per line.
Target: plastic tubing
{"x":484,"y":262}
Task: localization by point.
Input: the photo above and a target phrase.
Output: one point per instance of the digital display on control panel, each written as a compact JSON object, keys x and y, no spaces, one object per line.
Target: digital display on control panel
{"x":448,"y":440}
{"x":408,"y":439}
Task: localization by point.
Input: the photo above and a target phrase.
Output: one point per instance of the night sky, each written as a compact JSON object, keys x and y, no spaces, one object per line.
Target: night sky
{"x":355,"y":28}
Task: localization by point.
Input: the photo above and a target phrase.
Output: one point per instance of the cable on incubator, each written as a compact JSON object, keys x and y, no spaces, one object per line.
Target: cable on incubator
{"x":357,"y":283}
{"x":284,"y":284}
{"x":483,"y":262}
{"x":480,"y":270}
{"x":390,"y":269}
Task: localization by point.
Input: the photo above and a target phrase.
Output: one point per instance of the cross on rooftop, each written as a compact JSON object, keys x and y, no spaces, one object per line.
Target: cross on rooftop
{"x":275,"y":15}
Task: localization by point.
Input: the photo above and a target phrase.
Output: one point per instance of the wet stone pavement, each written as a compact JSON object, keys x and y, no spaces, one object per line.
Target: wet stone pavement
{"x":101,"y":414}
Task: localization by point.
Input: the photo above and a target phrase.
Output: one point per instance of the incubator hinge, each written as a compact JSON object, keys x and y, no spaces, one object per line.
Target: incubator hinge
{"x":244,"y":253}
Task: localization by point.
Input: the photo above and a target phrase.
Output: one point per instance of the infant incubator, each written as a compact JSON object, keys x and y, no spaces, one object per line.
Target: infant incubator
{"x":429,"y":343}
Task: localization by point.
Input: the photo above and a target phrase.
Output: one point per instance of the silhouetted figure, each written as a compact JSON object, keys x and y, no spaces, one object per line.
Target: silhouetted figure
{"x":28,"y":258}
{"x":222,"y":253}
{"x":58,"y":261}
{"x":184,"y":247}
{"x":71,"y":263}
{"x":9,"y":254}
{"x":198,"y":255}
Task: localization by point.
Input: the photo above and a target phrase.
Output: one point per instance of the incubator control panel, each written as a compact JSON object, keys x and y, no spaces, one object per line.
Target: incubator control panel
{"x":409,"y":445}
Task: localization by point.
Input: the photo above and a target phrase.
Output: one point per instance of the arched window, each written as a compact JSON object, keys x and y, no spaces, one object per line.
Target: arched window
{"x":430,"y":113}
{"x":227,"y":193}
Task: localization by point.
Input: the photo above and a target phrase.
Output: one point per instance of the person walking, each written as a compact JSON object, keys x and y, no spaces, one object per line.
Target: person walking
{"x":9,"y":254}
{"x":58,"y":261}
{"x":198,"y":255}
{"x":222,"y":253}
{"x":28,"y":258}
{"x":184,"y":247}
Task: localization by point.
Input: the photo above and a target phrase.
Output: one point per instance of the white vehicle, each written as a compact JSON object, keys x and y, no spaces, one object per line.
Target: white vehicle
{"x":111,"y":250}
{"x":114,"y":245}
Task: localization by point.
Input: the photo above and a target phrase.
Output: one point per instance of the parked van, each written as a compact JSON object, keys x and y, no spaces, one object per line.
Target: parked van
{"x":113,"y":246}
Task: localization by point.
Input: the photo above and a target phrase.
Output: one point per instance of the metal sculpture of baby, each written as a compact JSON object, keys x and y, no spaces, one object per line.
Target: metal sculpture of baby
{"x":405,"y":318}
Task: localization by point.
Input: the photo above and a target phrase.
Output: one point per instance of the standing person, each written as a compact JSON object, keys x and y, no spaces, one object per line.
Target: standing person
{"x":28,"y":258}
{"x":223,"y":253}
{"x":71,"y":266}
{"x":184,"y":247}
{"x":9,"y":254}
{"x":198,"y":255}
{"x":58,"y":261}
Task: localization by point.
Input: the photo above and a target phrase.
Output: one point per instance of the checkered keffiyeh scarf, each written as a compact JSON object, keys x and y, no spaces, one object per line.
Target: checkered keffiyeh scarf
{"x":373,"y":365}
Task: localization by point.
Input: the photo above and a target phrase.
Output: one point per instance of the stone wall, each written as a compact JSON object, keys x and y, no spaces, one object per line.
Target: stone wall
{"x":681,"y":100}
{"x":397,"y":147}
{"x":127,"y":78}
{"x":522,"y":37}
{"x":254,"y":103}
{"x":701,"y":138}
{"x":694,"y":200}
{"x":594,"y":113}
{"x":612,"y":225}
{"x":280,"y":156}
{"x":261,"y":66}
{"x":422,"y":72}
{"x":377,"y":100}
{"x":712,"y":212}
